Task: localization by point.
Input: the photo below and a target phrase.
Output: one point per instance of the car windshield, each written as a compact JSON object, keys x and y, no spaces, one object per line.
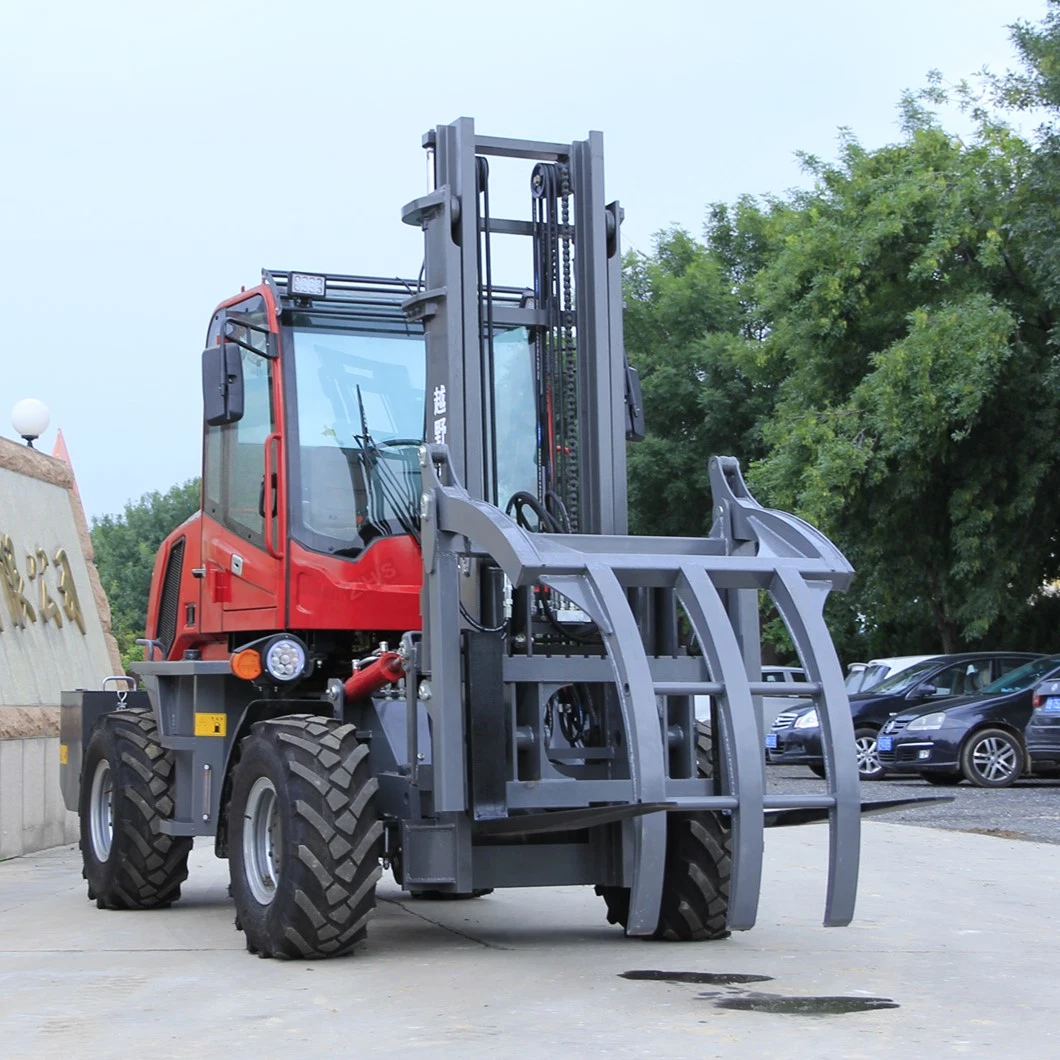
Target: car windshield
{"x":359,"y":404}
{"x":903,"y":680}
{"x":1023,"y":678}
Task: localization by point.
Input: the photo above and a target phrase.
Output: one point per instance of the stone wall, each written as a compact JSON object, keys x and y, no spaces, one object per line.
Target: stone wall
{"x":54,"y":635}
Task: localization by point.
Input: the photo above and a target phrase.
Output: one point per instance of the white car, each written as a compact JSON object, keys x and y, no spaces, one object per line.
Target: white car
{"x":863,"y":676}
{"x":771,"y":706}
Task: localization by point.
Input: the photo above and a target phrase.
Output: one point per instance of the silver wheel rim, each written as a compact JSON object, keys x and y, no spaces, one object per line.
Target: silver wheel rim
{"x":994,"y":758}
{"x":262,"y":841}
{"x":868,"y":758}
{"x":101,"y":811}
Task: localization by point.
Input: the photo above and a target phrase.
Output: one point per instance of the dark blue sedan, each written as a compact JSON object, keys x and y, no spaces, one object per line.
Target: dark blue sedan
{"x":978,"y":738}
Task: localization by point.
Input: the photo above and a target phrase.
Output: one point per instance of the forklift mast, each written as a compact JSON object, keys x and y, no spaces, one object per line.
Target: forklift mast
{"x":583,"y":392}
{"x":596,"y":643}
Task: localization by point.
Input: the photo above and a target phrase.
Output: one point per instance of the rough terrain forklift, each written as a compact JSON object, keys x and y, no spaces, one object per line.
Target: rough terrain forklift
{"x":408,"y":627}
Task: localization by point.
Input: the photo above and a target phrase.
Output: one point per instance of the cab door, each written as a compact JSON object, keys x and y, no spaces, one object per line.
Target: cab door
{"x":243,"y":535}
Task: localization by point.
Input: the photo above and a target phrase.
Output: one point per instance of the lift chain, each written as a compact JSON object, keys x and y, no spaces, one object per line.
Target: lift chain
{"x":570,"y":361}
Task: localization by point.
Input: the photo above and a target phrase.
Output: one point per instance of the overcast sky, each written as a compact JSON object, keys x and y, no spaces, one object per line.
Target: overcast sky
{"x":154,"y":157}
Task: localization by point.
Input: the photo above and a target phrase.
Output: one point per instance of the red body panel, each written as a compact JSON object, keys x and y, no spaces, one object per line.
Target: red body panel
{"x":252,"y":599}
{"x":378,"y":590}
{"x":189,"y":634}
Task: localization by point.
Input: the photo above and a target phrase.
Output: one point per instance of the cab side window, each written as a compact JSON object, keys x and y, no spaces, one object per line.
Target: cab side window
{"x":234,"y":455}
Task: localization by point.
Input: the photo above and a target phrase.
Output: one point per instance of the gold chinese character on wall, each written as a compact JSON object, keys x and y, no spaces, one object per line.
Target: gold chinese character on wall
{"x":49,"y":609}
{"x":21,"y":609}
{"x":67,"y":590}
{"x":13,"y":585}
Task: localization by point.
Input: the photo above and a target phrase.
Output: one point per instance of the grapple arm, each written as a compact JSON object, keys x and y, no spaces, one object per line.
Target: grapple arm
{"x":715,"y":582}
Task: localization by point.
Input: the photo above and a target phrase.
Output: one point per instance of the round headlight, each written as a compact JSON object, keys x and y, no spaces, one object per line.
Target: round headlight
{"x":285,"y":659}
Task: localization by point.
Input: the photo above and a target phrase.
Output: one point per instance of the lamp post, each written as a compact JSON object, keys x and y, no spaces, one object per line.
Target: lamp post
{"x":30,"y":417}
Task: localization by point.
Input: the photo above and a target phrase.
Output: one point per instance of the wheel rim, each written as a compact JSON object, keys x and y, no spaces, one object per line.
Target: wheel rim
{"x":262,"y":841}
{"x":995,"y":758}
{"x":101,"y":811}
{"x":868,"y":757}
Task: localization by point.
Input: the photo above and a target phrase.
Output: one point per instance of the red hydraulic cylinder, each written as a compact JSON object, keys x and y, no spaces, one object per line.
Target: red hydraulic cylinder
{"x":387,"y":669}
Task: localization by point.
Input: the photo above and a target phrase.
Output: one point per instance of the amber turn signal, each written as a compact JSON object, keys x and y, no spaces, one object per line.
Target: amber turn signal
{"x":246,"y":664}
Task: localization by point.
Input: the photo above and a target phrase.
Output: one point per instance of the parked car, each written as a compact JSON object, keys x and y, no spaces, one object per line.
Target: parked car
{"x":1042,"y":735}
{"x":863,"y":676}
{"x":978,"y":738}
{"x":771,"y":705}
{"x":795,"y":738}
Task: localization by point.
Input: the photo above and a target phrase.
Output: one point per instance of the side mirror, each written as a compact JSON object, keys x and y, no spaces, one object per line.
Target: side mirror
{"x":222,"y":384}
{"x":634,"y":406}
{"x":924,"y":691}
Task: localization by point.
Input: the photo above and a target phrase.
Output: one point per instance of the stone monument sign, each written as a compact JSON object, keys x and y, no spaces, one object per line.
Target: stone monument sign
{"x":54,"y":635}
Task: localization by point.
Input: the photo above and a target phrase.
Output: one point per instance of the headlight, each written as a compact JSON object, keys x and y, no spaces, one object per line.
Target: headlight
{"x":927,"y":721}
{"x":809,"y":720}
{"x":285,"y":659}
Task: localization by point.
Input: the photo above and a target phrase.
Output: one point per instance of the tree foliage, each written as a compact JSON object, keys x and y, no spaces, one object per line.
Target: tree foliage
{"x":880,"y":349}
{"x":684,"y":333}
{"x":125,"y":547}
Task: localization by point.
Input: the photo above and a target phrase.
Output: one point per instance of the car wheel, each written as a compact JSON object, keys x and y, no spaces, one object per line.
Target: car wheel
{"x":992,"y":758}
{"x":943,"y":780}
{"x":818,"y":771}
{"x":869,"y":767}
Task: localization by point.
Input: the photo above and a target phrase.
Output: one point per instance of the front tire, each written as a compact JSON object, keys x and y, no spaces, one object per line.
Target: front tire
{"x":126,"y":793}
{"x":695,"y":898}
{"x":992,"y":758}
{"x":869,"y":767}
{"x":305,"y":840}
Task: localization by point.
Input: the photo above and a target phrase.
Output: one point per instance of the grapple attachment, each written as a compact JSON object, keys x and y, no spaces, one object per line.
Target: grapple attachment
{"x":635,"y":593}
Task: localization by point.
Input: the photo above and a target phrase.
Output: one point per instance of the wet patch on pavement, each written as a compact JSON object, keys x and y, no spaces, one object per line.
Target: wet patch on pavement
{"x":713,"y":978}
{"x":805,"y":1006}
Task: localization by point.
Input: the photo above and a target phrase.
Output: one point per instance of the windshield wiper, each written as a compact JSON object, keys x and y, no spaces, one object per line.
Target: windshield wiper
{"x":405,"y":508}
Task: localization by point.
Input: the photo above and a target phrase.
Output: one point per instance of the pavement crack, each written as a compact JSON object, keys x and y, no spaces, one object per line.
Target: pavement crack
{"x":445,"y":927}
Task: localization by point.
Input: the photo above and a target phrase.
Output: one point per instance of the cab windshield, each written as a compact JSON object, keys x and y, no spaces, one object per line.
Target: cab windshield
{"x":358,"y":411}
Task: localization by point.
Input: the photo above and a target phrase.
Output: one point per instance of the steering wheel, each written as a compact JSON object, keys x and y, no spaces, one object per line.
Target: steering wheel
{"x":522,"y":500}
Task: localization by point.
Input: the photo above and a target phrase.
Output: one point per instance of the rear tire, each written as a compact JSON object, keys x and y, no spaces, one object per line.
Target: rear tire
{"x":126,"y":793}
{"x":305,"y":841}
{"x":992,"y":758}
{"x":695,"y":898}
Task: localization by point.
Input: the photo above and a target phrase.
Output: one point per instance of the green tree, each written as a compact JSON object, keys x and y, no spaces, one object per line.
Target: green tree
{"x":1036,"y":88}
{"x":685,"y":330}
{"x":916,"y":422}
{"x":125,"y":547}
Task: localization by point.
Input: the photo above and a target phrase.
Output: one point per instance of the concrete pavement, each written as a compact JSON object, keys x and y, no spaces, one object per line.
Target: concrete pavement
{"x":957,"y":929}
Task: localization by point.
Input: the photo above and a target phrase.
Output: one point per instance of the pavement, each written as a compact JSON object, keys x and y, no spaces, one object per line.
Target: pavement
{"x":1028,"y":810}
{"x":954,"y":929}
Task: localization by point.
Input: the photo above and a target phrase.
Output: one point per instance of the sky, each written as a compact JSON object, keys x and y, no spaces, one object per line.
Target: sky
{"x":153,"y":158}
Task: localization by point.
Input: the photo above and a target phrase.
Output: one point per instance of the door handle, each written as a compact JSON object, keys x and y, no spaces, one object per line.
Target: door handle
{"x":270,"y":488}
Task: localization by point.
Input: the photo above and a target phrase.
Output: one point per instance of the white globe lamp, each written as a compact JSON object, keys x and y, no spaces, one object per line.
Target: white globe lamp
{"x":30,"y":418}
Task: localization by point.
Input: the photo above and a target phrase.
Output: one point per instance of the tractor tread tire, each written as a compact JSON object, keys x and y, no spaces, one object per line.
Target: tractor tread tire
{"x":146,"y":867}
{"x":332,"y":839}
{"x":695,"y":898}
